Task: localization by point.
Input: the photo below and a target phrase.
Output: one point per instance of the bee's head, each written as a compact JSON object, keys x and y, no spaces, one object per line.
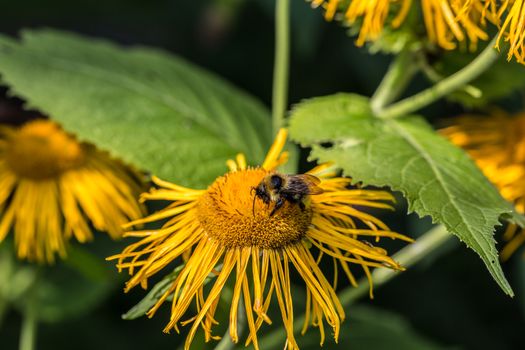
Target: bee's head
{"x":261,"y":192}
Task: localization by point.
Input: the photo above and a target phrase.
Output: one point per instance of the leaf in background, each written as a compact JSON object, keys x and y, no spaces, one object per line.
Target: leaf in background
{"x":145,"y":106}
{"x":371,"y":328}
{"x":406,"y":154}
{"x":152,"y":297}
{"x":519,"y":279}
{"x":15,"y":279}
{"x":157,"y":292}
{"x":495,"y":83}
{"x":61,"y":293}
{"x":364,"y":328}
{"x":69,"y":289}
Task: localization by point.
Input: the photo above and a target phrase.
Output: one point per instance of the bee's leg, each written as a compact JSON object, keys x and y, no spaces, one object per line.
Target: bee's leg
{"x":278,"y":204}
{"x":302,"y":206}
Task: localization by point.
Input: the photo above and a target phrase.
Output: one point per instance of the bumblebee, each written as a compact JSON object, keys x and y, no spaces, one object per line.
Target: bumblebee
{"x":279,"y":188}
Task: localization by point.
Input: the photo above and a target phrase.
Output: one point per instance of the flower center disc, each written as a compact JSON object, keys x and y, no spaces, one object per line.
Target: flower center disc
{"x":225,"y":213}
{"x":41,"y":149}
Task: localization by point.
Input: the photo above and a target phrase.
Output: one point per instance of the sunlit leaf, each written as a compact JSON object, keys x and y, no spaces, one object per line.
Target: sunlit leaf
{"x":148,"y":107}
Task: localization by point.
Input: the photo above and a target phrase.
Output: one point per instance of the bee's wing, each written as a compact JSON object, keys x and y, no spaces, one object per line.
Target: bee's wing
{"x":310,"y":179}
{"x":312,"y":182}
{"x":314,"y":189}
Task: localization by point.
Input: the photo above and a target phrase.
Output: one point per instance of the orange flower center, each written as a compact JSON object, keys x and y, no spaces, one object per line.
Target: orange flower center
{"x":41,"y":149}
{"x":225,"y":212}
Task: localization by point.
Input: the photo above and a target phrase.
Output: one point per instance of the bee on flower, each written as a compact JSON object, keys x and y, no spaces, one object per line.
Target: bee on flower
{"x":234,"y":228}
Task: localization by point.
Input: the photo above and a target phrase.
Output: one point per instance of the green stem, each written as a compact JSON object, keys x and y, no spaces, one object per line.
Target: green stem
{"x":457,"y":80}
{"x":396,"y":79}
{"x":407,"y":257}
{"x":226,"y":341}
{"x":281,"y":63}
{"x":29,"y":329}
{"x":4,"y":307}
{"x":435,"y":77}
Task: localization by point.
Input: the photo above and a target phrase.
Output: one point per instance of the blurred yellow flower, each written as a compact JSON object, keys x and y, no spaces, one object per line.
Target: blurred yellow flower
{"x":227,"y":230}
{"x":497,"y":145}
{"x":447,"y":22}
{"x":53,"y":187}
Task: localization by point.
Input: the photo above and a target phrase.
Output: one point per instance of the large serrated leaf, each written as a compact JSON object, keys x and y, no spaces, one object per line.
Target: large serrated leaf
{"x":145,"y":106}
{"x":406,"y":154}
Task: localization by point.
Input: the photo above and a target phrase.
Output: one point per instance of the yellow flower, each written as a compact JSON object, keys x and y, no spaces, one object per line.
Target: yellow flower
{"x":226,"y":230}
{"x":371,"y":13}
{"x":447,"y":22}
{"x":52,"y":187}
{"x":513,"y":27}
{"x":497,"y":145}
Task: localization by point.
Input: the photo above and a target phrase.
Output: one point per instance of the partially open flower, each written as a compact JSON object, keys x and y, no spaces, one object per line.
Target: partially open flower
{"x":229,"y":229}
{"x":447,"y":22}
{"x":497,"y":145}
{"x":52,"y":187}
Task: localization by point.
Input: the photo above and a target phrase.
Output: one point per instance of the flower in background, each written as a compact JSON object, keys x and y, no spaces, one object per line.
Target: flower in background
{"x":497,"y":145}
{"x":371,"y":14}
{"x":512,"y":27}
{"x":53,"y":187}
{"x":230,"y":231}
{"x":447,"y":22}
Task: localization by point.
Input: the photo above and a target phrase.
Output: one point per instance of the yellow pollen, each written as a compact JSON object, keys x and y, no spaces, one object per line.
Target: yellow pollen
{"x":225,"y":213}
{"x":41,"y":149}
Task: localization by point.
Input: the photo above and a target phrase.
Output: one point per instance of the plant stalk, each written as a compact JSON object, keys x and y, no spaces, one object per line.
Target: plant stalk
{"x":395,"y":81}
{"x":4,"y":307}
{"x":29,"y":329}
{"x":457,"y":80}
{"x":406,"y":257}
{"x":281,"y":63}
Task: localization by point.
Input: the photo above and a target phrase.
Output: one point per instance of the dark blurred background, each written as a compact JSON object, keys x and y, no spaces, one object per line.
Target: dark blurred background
{"x":449,"y":298}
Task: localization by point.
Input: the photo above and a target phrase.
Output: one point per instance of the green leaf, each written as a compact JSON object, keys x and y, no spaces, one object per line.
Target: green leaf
{"x":86,"y":263}
{"x":157,"y":292}
{"x":59,"y":293}
{"x":495,"y":83}
{"x":145,"y":106}
{"x":15,"y":278}
{"x":393,"y":41}
{"x":71,"y":288}
{"x":437,"y":178}
{"x":152,"y":297}
{"x":364,"y":328}
{"x":372,"y":328}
